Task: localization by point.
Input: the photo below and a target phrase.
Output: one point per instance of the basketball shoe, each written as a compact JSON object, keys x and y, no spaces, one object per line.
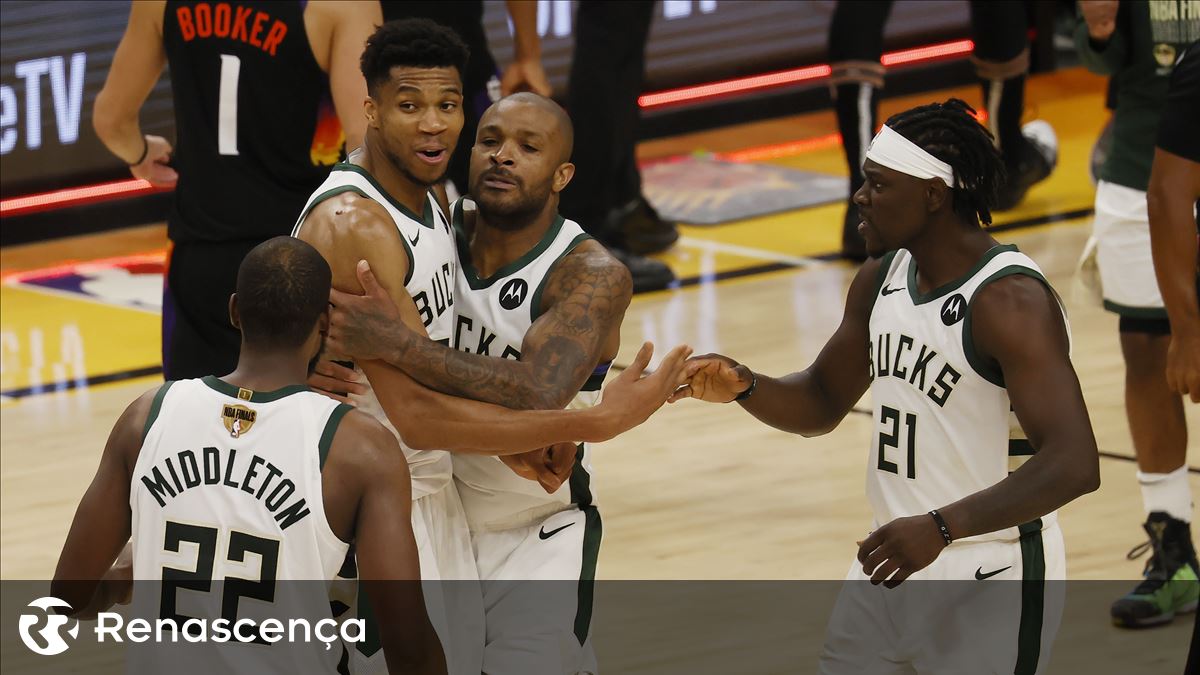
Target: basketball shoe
{"x":1169,"y":585}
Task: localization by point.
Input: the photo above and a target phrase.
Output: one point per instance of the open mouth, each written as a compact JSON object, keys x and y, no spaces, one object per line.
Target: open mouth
{"x":432,"y":156}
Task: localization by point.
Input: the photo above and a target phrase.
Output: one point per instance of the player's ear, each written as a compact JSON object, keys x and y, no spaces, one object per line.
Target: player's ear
{"x":937,"y":194}
{"x":563,"y":175}
{"x":233,"y":312}
{"x":371,"y":112}
{"x":323,"y":322}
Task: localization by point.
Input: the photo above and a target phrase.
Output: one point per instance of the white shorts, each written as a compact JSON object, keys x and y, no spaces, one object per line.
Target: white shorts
{"x":537,"y":594}
{"x":450,"y":584}
{"x":981,"y":607}
{"x":1121,"y":228}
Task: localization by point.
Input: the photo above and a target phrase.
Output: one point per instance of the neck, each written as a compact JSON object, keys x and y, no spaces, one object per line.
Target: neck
{"x":260,"y":370}
{"x":947,"y":250}
{"x":493,"y":247}
{"x":371,"y":156}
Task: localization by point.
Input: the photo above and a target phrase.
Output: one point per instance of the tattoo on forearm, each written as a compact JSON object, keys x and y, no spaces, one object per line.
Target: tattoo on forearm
{"x":587,"y":295}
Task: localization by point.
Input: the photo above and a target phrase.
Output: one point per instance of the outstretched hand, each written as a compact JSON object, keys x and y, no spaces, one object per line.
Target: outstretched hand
{"x":713,"y":378}
{"x":631,"y":398}
{"x":363,"y":327}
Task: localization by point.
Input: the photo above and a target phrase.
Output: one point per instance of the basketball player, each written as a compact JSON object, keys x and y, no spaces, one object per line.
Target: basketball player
{"x":259,"y":88}
{"x":203,"y":472}
{"x":368,"y":210}
{"x":539,"y":305}
{"x":1137,"y":44}
{"x":964,"y":347}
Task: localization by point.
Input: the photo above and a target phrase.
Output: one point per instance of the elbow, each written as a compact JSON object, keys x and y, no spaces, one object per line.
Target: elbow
{"x":104,"y":118}
{"x":1090,"y":481}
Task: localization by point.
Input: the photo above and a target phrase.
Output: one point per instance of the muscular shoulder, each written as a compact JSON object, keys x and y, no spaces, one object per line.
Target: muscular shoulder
{"x":349,"y":227}
{"x":1017,"y":313}
{"x":365,"y":447}
{"x":589,"y":268}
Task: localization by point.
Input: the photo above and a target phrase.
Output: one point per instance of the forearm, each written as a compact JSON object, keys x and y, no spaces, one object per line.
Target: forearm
{"x":504,"y":382}
{"x":119,"y":129}
{"x":1044,"y":483}
{"x":431,"y":420}
{"x":1173,"y":245}
{"x":526,"y":43}
{"x":794,"y":403}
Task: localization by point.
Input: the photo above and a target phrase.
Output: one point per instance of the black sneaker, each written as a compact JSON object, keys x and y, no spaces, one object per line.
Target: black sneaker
{"x":1033,"y":164}
{"x":648,"y":274}
{"x":642,"y":230}
{"x":854,"y":247}
{"x":1170,"y":584}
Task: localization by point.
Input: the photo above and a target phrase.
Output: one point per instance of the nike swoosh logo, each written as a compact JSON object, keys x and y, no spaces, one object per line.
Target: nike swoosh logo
{"x":543,"y":534}
{"x":889,"y":291}
{"x":981,"y":576}
{"x":415,"y":239}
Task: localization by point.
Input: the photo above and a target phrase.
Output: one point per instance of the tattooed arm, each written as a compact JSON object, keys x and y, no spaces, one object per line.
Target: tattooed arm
{"x":584,"y":301}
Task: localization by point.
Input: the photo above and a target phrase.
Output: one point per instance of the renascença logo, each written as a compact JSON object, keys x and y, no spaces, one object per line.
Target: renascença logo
{"x":50,"y":633}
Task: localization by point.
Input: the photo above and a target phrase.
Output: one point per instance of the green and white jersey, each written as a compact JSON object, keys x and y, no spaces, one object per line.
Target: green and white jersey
{"x":432,"y":261}
{"x":493,"y":316}
{"x":227,"y":487}
{"x":944,"y":426}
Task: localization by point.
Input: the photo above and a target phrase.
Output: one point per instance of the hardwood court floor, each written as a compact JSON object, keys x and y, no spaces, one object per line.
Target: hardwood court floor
{"x":699,"y":491}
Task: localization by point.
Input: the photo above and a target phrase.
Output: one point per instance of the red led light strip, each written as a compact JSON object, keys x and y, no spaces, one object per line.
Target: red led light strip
{"x":133,"y":187}
{"x":770,"y":80}
{"x":87,"y":194}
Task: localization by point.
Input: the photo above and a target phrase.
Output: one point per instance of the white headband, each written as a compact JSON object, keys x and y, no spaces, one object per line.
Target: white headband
{"x":894,"y":151}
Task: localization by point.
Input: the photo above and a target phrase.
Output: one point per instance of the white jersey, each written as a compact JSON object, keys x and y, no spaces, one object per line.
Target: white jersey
{"x":493,"y":316}
{"x":945,"y":426}
{"x":227,"y":486}
{"x":432,"y":261}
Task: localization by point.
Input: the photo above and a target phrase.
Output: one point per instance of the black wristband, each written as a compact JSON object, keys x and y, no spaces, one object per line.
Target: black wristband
{"x":749,"y":390}
{"x":941,"y":525}
{"x":145,"y":151}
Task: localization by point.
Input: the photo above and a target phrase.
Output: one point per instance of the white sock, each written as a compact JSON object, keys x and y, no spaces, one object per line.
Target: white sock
{"x":1167,"y":492}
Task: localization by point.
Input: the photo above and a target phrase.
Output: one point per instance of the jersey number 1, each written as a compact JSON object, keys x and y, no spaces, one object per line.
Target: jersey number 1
{"x":231,"y":68}
{"x":891,"y":439}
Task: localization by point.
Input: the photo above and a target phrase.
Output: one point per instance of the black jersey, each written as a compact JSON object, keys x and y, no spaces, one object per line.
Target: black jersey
{"x":256,"y":130}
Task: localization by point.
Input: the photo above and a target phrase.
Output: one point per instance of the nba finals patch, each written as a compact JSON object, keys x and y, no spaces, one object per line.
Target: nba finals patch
{"x":237,"y":419}
{"x":135,"y":282}
{"x":706,"y":191}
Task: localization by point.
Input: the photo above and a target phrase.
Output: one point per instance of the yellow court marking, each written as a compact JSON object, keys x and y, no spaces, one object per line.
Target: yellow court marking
{"x":47,"y":338}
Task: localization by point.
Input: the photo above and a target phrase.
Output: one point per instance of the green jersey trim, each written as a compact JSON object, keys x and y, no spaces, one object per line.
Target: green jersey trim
{"x":426,"y":217}
{"x":885,"y":267}
{"x":331,"y":426}
{"x":233,"y":391}
{"x":155,"y":407}
{"x":919,"y":298}
{"x":1135,"y":312}
{"x":592,"y":534}
{"x":355,"y":189}
{"x":990,"y":371}
{"x":468,"y":267}
{"x":1033,"y":598}
{"x":535,"y":305}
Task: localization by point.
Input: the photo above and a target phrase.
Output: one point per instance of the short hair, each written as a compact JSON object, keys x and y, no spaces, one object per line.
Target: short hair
{"x":556,"y":111}
{"x":951,"y":132}
{"x":282,"y":289}
{"x":417,"y":43}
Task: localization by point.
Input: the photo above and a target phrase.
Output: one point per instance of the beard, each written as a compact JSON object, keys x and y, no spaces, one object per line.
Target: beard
{"x":510,"y":214}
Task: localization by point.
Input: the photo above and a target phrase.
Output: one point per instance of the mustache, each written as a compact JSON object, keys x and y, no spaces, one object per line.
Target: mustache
{"x":502,"y":174}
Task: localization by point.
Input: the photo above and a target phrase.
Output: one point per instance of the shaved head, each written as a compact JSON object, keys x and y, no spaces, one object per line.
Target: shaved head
{"x":562,"y":130}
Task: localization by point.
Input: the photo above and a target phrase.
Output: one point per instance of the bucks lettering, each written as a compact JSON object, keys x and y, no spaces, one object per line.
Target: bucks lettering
{"x":471,"y":335}
{"x":441,"y":285}
{"x":899,"y":356}
{"x":221,"y":467}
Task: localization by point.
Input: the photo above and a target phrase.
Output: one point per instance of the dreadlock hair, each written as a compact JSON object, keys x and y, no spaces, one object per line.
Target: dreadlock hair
{"x":951,"y":132}
{"x":417,"y":43}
